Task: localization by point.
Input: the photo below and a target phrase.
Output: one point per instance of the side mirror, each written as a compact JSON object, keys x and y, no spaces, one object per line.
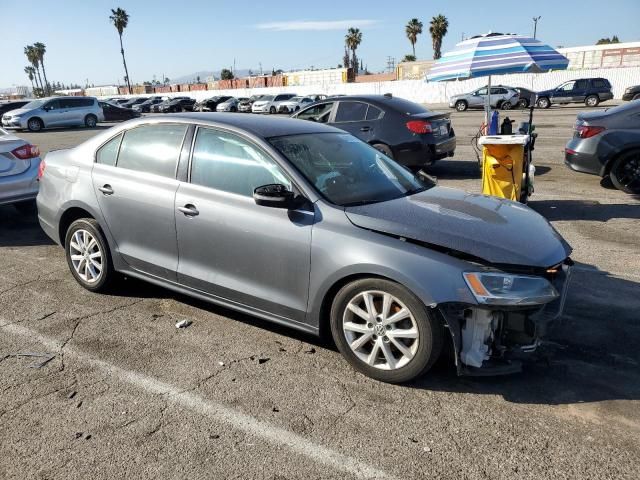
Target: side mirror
{"x":274,"y":195}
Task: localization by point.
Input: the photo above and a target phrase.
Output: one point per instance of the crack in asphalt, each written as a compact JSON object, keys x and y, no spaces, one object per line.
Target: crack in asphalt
{"x":28,"y":282}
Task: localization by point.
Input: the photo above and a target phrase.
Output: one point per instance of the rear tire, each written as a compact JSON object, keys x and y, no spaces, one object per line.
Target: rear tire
{"x":461,"y":105}
{"x":544,"y":102}
{"x":90,"y":121}
{"x":523,"y":103}
{"x":381,"y":348}
{"x":88,"y":255}
{"x":506,"y":105}
{"x":625,"y":172}
{"x":592,"y":101}
{"x":381,"y":147}
{"x":35,"y":125}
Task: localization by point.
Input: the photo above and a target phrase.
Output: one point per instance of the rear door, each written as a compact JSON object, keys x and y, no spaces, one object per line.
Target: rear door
{"x":320,"y":112}
{"x":53,"y":113}
{"x":351,"y":116}
{"x":580,"y":91}
{"x":134,"y":178}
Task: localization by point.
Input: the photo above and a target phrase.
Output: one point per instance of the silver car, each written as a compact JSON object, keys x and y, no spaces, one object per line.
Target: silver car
{"x":304,"y":225}
{"x":505,"y":98}
{"x":55,"y":112}
{"x":19,"y":167}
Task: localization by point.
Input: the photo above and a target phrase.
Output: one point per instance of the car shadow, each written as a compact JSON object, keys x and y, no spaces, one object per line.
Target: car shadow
{"x":21,"y":229}
{"x":559,"y":210}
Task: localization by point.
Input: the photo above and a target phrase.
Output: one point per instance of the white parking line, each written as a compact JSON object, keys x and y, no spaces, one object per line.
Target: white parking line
{"x":215,"y":411}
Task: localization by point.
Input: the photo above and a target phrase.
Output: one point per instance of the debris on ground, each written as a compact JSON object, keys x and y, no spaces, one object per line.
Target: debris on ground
{"x":413,"y":440}
{"x":427,"y":449}
{"x":275,"y":409}
{"x":214,"y":436}
{"x":79,"y":404}
{"x":183,"y":324}
{"x":71,"y":395}
{"x":79,"y":434}
{"x":263,"y":360}
{"x":46,"y":358}
{"x":221,"y":364}
{"x":310,"y":351}
{"x":88,"y":437}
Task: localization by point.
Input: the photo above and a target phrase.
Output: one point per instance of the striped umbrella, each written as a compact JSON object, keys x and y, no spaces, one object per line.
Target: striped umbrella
{"x":496,"y":54}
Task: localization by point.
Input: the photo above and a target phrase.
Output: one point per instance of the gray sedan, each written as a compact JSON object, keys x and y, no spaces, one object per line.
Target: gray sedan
{"x":305,"y":225}
{"x":19,"y":166}
{"x":607,"y":143}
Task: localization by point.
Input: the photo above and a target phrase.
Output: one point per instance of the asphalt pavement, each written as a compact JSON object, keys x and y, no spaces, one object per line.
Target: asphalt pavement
{"x":105,"y":386}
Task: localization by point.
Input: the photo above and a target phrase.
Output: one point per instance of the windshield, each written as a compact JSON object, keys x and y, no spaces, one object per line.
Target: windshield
{"x":346,"y":170}
{"x":35,"y":103}
{"x":267,"y":98}
{"x":295,"y":99}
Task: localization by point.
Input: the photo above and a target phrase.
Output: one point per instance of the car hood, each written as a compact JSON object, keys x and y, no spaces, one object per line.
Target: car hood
{"x":18,"y":111}
{"x":545,"y":93}
{"x":495,"y":230}
{"x":260,"y":103}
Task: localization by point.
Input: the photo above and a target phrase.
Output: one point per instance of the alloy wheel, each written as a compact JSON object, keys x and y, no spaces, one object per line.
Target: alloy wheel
{"x":34,"y":125}
{"x":380,"y":330}
{"x":86,"y":256}
{"x":627,"y":174}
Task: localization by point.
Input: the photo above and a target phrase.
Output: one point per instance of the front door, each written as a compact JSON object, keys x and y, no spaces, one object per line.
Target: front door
{"x":232,"y":248}
{"x":134,"y":181}
{"x":564,"y":93}
{"x":53,"y":114}
{"x":580,"y":91}
{"x":478,"y":98}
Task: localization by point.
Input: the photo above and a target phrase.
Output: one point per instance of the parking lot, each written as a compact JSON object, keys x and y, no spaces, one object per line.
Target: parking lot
{"x":126,"y":394}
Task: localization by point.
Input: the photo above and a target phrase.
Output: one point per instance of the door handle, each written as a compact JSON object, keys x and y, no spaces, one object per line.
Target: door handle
{"x":106,"y":189}
{"x":189,"y":210}
{"x":365,"y":129}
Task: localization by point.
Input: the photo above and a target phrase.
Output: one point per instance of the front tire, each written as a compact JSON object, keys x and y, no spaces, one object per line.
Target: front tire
{"x":88,"y":255}
{"x":35,"y":125}
{"x":592,"y":101}
{"x":506,"y":105}
{"x":544,"y":102}
{"x":384,"y":331}
{"x":625,"y":172}
{"x":272,"y":110}
{"x":461,"y":105}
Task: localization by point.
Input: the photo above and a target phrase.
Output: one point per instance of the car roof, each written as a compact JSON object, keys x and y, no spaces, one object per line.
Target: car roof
{"x":260,"y":126}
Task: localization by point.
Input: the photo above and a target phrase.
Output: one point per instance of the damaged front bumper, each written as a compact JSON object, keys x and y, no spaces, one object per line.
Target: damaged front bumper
{"x":493,"y":340}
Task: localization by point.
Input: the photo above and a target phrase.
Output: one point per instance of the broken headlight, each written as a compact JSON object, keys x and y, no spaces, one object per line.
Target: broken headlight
{"x":496,"y":288}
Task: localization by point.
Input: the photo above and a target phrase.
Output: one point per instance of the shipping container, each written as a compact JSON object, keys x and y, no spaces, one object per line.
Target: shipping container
{"x":197,"y":87}
{"x":162,"y":89}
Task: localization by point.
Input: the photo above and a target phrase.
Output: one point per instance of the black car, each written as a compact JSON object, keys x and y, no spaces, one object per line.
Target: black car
{"x":607,"y":143}
{"x":178,"y":104}
{"x":115,"y":112}
{"x":527,"y":97}
{"x":590,"y":91}
{"x":210,"y":104}
{"x":403,"y":130}
{"x":145,"y":107}
{"x":133,"y":101}
{"x":631,"y":93}
{"x":12,"y":105}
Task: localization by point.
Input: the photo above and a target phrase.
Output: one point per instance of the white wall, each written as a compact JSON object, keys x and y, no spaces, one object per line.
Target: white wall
{"x":422,"y":92}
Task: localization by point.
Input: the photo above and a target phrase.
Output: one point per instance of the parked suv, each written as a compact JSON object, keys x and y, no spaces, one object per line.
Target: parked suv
{"x":501,"y":97}
{"x":590,"y":91}
{"x":55,"y":112}
{"x":631,"y":93}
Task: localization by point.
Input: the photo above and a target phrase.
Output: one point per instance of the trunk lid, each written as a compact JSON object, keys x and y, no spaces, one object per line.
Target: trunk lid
{"x":440,"y":122}
{"x":10,"y":164}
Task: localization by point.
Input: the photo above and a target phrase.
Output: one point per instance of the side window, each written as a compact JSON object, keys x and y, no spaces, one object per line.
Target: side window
{"x":567,"y":87}
{"x":482,"y":91}
{"x":53,"y":105}
{"x":374,"y":113}
{"x":351,"y":112}
{"x":67,"y":102}
{"x":318,"y":113}
{"x":87,"y":102}
{"x":599,"y":84}
{"x":226,"y":162}
{"x":108,"y":153}
{"x":582,"y":84}
{"x":152,"y":149}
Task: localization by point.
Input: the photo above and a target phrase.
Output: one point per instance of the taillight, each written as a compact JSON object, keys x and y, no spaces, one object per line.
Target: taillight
{"x":41,"y":168}
{"x":419,"y":126}
{"x":26,"y":152}
{"x":585,"y":131}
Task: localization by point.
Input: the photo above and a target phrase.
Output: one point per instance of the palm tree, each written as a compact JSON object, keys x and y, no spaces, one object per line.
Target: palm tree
{"x":30,"y":71}
{"x":32,"y":56}
{"x":413,"y":29}
{"x":120,"y":20}
{"x":353,"y":39}
{"x":41,"y":49}
{"x":438,"y":30}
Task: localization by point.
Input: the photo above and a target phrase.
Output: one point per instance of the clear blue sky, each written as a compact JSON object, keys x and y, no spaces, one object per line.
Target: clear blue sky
{"x":181,"y":37}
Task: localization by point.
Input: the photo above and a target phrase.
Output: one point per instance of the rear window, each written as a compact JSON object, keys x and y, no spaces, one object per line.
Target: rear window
{"x":351,"y":112}
{"x":374,"y":113}
{"x":406,"y":106}
{"x":108,"y":153}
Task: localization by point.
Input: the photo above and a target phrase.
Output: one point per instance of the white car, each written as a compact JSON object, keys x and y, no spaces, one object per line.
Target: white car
{"x":269,"y":103}
{"x":230,"y":105}
{"x":294,"y":104}
{"x":55,"y":112}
